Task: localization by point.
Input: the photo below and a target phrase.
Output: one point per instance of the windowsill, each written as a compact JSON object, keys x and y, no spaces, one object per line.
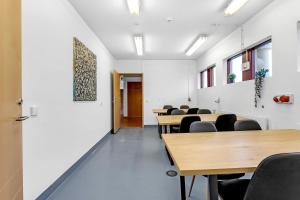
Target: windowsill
{"x":247,"y":81}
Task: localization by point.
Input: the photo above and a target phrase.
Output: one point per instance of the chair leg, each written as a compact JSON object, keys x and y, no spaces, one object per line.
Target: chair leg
{"x":192,"y":184}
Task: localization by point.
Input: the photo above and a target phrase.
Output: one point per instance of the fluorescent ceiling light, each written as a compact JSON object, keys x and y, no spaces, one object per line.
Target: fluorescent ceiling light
{"x":134,"y":6}
{"x":234,"y":6}
{"x":196,"y":45}
{"x":138,"y":40}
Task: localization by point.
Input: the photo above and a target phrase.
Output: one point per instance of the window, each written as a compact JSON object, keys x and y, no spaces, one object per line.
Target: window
{"x":245,"y":64}
{"x":263,"y":57}
{"x":235,"y":67}
{"x":208,"y":77}
{"x":204,"y":79}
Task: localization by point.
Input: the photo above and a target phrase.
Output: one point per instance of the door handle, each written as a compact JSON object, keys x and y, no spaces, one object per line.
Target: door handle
{"x":22,"y":118}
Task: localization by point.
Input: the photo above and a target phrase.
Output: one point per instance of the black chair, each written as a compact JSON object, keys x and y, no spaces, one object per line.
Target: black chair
{"x":169,"y":111}
{"x":226,"y":122}
{"x":204,"y":111}
{"x":192,"y":111}
{"x":186,"y":123}
{"x":246,"y":125}
{"x":175,"y":128}
{"x":197,"y":127}
{"x":177,"y":112}
{"x":167,"y":107}
{"x":276,"y":178}
{"x":184,"y":107}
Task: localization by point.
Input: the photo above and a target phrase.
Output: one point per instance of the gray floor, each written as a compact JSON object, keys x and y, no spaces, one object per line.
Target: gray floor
{"x":130,"y":165}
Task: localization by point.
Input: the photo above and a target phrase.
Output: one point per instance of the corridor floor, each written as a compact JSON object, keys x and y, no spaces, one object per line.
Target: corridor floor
{"x":130,"y":165}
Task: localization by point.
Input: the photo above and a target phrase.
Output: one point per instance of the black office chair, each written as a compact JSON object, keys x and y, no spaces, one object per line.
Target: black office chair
{"x":169,"y":111}
{"x":276,"y":178}
{"x":204,"y":111}
{"x":175,"y":128}
{"x":186,"y":123}
{"x":192,"y":111}
{"x":167,"y":107}
{"x":184,"y":107}
{"x":246,"y":125}
{"x":226,"y":122}
{"x":197,"y":127}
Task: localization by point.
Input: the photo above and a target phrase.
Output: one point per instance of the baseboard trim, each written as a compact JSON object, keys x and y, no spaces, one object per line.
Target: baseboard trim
{"x":150,"y":126}
{"x":46,"y":194}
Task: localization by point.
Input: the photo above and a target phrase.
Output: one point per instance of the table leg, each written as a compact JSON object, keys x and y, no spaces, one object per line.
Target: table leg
{"x":169,"y":157}
{"x":182,"y":187}
{"x":159,"y":130}
{"x":213,"y":187}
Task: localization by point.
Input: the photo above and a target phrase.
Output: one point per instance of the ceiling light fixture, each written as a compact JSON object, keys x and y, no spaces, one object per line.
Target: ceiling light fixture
{"x":138,"y":40}
{"x":196,"y":45}
{"x":234,"y":6}
{"x":134,"y":7}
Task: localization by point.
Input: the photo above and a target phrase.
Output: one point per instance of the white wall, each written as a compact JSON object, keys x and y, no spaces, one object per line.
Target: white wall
{"x":278,"y":20}
{"x":165,"y":82}
{"x":64,"y":130}
{"x":298,"y":29}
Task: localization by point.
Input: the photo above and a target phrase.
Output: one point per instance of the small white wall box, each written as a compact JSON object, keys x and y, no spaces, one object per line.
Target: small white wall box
{"x":284,"y":99}
{"x":34,"y":111}
{"x":246,"y":66}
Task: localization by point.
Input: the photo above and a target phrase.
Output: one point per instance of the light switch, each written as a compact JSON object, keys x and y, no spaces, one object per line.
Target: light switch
{"x":34,"y":111}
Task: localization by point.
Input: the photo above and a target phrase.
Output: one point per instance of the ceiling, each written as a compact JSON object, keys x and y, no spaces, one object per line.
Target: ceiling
{"x":113,"y":24}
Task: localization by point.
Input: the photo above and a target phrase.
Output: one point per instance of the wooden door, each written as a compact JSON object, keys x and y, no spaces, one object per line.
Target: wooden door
{"x":135,"y":99}
{"x":116,"y":102}
{"x":10,"y":93}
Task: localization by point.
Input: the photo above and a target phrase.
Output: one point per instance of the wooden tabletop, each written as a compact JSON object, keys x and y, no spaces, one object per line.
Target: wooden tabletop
{"x":176,"y":119}
{"x":164,"y":111}
{"x":228,"y":152}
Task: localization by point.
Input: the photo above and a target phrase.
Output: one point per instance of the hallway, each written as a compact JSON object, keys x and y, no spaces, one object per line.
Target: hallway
{"x":131,"y":165}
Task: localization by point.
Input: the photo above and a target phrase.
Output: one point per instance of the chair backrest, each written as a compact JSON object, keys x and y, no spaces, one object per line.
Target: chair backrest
{"x":226,"y":122}
{"x":177,"y":112}
{"x":246,"y":125}
{"x":167,"y":107}
{"x":169,"y":111}
{"x":276,"y":178}
{"x":204,"y":111}
{"x":186,"y":123}
{"x":192,"y":111}
{"x":184,"y":107}
{"x":202,"y":127}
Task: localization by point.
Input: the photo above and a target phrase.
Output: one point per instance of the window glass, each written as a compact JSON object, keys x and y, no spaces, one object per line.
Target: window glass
{"x":263,"y":58}
{"x":199,"y":80}
{"x":204,"y":79}
{"x":236,"y":68}
{"x":214,"y":76}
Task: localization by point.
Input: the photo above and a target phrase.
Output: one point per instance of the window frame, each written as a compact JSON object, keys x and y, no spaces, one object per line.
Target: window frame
{"x":209,"y":77}
{"x":248,"y":55}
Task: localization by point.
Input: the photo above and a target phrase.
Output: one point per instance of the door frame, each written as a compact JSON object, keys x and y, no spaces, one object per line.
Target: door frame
{"x":143,"y":89}
{"x":119,"y":106}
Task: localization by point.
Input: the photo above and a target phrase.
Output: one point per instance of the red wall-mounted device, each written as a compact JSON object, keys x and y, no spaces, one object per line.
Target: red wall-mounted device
{"x":284,"y":99}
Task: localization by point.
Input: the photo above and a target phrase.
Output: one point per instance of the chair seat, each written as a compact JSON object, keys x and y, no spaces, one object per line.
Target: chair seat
{"x":175,"y":129}
{"x":233,"y":189}
{"x":230,"y":176}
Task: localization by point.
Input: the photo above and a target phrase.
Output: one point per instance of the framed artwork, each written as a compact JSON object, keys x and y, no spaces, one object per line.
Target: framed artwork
{"x":84,"y":73}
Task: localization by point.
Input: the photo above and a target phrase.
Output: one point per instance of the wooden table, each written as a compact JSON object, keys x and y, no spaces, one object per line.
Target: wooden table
{"x":164,"y":111}
{"x":226,"y":153}
{"x":166,"y":120}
